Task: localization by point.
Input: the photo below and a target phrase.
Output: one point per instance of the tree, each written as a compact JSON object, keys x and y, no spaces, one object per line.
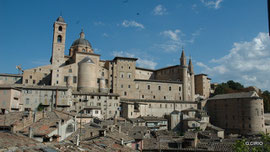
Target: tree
{"x":235,"y":85}
{"x":40,"y":107}
{"x":240,"y":146}
{"x":266,"y":100}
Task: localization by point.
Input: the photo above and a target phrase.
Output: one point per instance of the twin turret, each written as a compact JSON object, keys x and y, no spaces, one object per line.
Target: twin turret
{"x":183,"y":62}
{"x":187,"y":75}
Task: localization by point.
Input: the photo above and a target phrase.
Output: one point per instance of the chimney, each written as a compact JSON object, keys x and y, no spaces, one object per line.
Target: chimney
{"x":78,"y":140}
{"x":30,"y":135}
{"x":122,"y":141}
{"x":59,"y":127}
{"x":35,"y":117}
{"x":119,"y":129}
{"x":43,"y":113}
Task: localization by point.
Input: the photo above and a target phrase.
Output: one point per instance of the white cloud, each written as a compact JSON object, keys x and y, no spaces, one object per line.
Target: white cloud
{"x":141,"y":62}
{"x":174,"y":43}
{"x":160,"y":10}
{"x":146,"y":63}
{"x":176,"y":39}
{"x":127,"y":23}
{"x":195,"y":35}
{"x":173,"y":35}
{"x":212,"y":3}
{"x":123,"y":54}
{"x":194,"y":6}
{"x":247,"y":62}
{"x":105,"y":35}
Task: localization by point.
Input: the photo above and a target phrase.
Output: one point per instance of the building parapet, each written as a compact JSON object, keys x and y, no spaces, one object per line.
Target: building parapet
{"x":157,"y":101}
{"x":160,"y":81}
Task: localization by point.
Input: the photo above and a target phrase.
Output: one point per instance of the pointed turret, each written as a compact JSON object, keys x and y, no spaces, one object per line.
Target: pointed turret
{"x":183,"y":58}
{"x":190,"y":66}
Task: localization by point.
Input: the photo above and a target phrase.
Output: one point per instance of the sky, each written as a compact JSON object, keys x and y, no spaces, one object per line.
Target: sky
{"x":226,"y":39}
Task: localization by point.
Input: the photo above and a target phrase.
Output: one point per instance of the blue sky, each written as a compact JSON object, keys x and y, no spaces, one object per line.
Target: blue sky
{"x":226,"y":39}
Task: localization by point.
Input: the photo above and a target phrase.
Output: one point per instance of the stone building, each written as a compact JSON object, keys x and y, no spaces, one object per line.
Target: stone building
{"x":10,"y":78}
{"x":106,"y":82}
{"x":203,"y":86}
{"x":240,"y":113}
{"x":108,"y":103}
{"x":10,"y":99}
{"x":135,"y":108}
{"x":84,"y":71}
{"x":50,"y":97}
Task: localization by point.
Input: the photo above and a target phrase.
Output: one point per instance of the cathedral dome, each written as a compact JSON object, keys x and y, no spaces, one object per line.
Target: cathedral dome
{"x":82,"y":41}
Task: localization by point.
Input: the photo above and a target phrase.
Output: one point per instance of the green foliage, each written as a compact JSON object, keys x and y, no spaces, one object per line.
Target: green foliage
{"x":266,"y":100}
{"x":234,"y":85}
{"x":228,"y":87}
{"x":40,"y":107}
{"x":240,"y":146}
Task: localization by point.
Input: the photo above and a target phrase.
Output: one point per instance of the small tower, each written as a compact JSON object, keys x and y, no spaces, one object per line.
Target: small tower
{"x":184,"y":72}
{"x":192,"y":81}
{"x":58,"y":49}
{"x":59,"y":39}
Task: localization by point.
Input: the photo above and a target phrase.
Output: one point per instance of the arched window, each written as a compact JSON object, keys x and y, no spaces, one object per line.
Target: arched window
{"x":83,"y":50}
{"x":70,"y":128}
{"x":60,"y":28}
{"x":59,"y":38}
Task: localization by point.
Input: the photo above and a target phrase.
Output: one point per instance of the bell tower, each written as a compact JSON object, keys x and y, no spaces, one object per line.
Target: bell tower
{"x":58,"y":49}
{"x":59,"y":39}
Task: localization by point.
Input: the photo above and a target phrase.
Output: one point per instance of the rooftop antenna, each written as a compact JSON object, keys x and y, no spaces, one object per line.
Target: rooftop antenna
{"x":61,"y":13}
{"x":19,"y":68}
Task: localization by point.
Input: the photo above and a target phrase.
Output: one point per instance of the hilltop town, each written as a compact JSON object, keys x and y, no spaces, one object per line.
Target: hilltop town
{"x":80,"y":102}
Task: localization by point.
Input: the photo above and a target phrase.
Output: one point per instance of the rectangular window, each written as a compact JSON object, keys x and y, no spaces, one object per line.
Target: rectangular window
{"x":74,"y":79}
{"x":70,"y":70}
{"x":26,"y":81}
{"x":159,"y":87}
{"x":27,"y":101}
{"x":148,"y":87}
{"x":65,"y":78}
{"x":34,"y":81}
